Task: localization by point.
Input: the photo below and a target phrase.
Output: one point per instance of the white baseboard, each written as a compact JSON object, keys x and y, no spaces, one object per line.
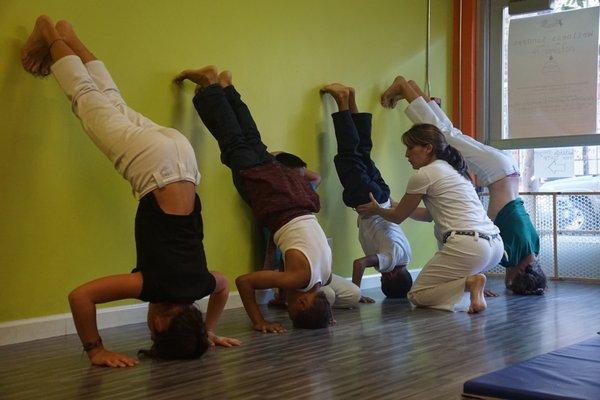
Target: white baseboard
{"x":370,"y":281}
{"x":26,"y":330}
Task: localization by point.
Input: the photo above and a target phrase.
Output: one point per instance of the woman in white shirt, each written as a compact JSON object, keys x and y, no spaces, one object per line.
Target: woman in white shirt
{"x":468,"y":241}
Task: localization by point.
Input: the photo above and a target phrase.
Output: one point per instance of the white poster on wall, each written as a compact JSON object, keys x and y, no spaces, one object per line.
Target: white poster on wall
{"x":554,"y":163}
{"x":553,"y":74}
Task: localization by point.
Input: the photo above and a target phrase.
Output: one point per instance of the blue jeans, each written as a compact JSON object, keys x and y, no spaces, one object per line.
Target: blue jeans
{"x":357,"y":172}
{"x":229,"y":120}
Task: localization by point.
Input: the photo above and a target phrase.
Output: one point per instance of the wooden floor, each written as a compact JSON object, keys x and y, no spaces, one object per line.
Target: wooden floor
{"x":385,"y":350}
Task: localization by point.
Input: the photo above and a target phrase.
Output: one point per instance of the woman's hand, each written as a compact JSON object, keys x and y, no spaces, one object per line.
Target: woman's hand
{"x":369,"y":209}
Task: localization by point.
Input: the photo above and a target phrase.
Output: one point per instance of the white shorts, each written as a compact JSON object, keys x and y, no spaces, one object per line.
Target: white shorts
{"x":342,"y":293}
{"x":147,"y":155}
{"x":384,"y":239}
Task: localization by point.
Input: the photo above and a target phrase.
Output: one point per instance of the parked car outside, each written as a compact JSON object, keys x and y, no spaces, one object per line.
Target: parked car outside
{"x":575,"y":212}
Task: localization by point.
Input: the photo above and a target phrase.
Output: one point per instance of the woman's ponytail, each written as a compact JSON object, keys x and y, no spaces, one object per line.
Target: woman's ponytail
{"x":454,"y":158}
{"x":424,"y":134}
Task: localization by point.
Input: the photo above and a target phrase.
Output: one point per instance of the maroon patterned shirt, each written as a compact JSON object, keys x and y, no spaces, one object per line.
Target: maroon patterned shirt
{"x":277,"y":194}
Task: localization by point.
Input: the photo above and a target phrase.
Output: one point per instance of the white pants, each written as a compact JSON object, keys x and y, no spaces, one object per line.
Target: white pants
{"x":147,"y":155}
{"x":341,"y":292}
{"x":487,"y":162}
{"x":441,"y":283}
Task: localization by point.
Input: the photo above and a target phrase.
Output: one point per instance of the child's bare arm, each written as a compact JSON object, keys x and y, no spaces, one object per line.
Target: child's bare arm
{"x":358,"y":269}
{"x":248,"y":283}
{"x":216,"y":304}
{"x":83,"y":302}
{"x":270,"y":254}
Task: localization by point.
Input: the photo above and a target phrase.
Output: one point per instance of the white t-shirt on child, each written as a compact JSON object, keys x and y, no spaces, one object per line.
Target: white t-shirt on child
{"x":384,"y":239}
{"x":450,"y":199}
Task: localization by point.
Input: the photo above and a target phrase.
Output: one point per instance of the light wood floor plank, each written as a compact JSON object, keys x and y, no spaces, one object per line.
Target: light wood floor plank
{"x":386,"y":350}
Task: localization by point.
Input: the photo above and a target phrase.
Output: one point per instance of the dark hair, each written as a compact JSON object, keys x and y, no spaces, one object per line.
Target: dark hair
{"x":186,"y":338}
{"x":532,"y":281}
{"x":316,"y":317}
{"x":290,"y":160}
{"x":398,"y":285}
{"x":424,"y":134}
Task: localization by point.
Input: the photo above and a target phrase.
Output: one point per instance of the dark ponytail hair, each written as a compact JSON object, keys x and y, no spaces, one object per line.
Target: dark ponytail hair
{"x":424,"y":134}
{"x":186,"y":338}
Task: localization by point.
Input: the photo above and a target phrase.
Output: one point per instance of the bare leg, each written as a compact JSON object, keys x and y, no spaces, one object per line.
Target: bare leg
{"x":100,"y":75}
{"x":225,"y":79}
{"x":43,"y":47}
{"x":352,"y":101}
{"x":398,"y":90}
{"x":475,"y":285}
{"x":413,"y":85}
{"x":341,"y":95}
{"x":68,"y":34}
{"x":45,"y":43}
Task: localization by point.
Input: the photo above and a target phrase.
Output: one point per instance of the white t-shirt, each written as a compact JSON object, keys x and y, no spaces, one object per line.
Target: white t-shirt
{"x":304,"y":234}
{"x":450,"y":199}
{"x":385,"y":239}
{"x":489,"y":163}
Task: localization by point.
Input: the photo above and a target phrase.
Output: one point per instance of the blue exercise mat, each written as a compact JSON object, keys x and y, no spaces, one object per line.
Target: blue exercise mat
{"x":572,"y":372}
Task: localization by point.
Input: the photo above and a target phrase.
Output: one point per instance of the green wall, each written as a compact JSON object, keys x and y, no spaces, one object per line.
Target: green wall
{"x":67,"y":217}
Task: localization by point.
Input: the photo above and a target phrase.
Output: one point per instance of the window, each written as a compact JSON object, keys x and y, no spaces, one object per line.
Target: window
{"x":560,"y":175}
{"x":541,"y":166}
{"x":535,"y":112}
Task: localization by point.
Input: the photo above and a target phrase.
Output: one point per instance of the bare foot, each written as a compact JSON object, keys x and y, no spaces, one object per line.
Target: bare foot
{"x":352,"y":100}
{"x":225,"y":79}
{"x":340,"y":93}
{"x":68,"y":34}
{"x":475,"y":285}
{"x":394,"y":93}
{"x":36,"y":51}
{"x":46,"y":64}
{"x":202,"y":77}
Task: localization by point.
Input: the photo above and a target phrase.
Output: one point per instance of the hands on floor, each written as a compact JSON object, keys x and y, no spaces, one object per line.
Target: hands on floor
{"x":106,"y":358}
{"x":268,"y":327}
